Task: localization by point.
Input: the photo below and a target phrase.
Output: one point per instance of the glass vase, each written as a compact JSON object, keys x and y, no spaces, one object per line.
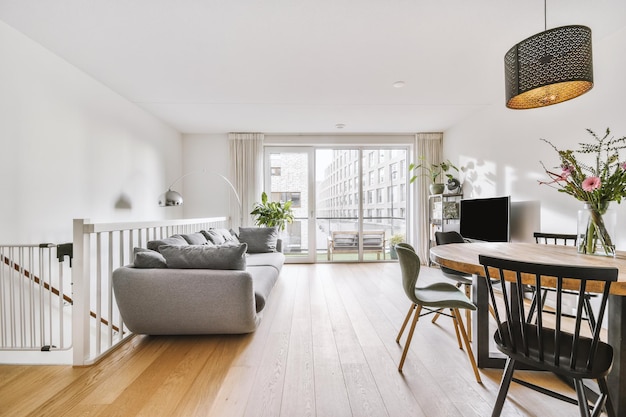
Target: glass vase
{"x":596,"y":229}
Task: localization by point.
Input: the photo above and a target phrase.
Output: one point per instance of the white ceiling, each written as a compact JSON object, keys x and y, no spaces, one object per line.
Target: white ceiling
{"x":301,"y":66}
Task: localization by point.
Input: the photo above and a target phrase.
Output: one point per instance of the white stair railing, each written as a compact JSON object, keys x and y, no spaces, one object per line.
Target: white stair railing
{"x":99,"y":248}
{"x":58,"y":312}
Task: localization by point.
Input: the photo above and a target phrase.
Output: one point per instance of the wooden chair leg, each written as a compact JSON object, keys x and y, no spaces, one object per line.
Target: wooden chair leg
{"x":468,"y":313}
{"x":455,"y":320}
{"x":468,"y":346}
{"x":408,"y":340}
{"x":406,"y":320}
{"x":435,"y":317}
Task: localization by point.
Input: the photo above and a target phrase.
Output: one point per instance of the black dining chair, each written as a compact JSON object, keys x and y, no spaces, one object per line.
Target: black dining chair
{"x":567,"y":240}
{"x":547,"y":345}
{"x":428,"y":299}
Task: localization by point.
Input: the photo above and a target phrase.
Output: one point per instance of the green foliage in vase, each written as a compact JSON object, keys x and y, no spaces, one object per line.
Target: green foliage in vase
{"x":272,"y":213}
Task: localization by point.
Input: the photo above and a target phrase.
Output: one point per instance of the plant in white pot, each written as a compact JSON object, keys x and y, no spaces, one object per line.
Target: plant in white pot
{"x":272,"y":213}
{"x":435,"y":172}
{"x":393,"y":241}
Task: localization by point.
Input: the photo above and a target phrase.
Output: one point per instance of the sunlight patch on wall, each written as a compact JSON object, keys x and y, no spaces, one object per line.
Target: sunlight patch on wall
{"x":479,"y":177}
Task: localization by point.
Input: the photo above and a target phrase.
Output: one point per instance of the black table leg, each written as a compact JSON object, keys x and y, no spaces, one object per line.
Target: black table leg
{"x":616,"y":334}
{"x":480,"y":322}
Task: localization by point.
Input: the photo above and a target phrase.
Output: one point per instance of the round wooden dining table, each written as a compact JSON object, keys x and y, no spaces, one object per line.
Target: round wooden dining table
{"x":464,"y":257}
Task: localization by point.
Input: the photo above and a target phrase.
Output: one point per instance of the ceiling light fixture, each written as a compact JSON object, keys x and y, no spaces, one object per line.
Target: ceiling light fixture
{"x":399,"y":84}
{"x":548,"y":68}
{"x":340,"y":125}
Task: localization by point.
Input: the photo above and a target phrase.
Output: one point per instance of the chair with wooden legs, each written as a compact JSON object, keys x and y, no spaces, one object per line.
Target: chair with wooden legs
{"x":461,"y":278}
{"x":546,"y":345}
{"x":568,"y":240}
{"x":431,"y":299}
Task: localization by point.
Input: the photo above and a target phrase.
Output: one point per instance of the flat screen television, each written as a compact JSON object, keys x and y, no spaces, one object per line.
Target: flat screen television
{"x":486,"y":219}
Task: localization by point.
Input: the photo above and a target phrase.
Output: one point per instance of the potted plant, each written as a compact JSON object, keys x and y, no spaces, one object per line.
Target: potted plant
{"x":435,"y":172}
{"x":272,"y":213}
{"x":393,"y":241}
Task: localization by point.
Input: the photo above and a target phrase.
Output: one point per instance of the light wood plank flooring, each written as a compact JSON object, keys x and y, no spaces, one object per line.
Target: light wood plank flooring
{"x":325,"y":347}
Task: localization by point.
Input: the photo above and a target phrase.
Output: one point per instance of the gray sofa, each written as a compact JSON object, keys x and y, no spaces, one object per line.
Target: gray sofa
{"x":163,"y":292}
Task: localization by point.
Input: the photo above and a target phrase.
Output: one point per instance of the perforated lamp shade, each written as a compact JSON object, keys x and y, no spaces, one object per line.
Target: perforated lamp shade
{"x":549,"y":68}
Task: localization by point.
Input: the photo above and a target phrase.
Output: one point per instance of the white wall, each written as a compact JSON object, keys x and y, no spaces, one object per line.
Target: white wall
{"x":72,"y":148}
{"x":501,"y":148}
{"x":205,"y":194}
{"x":208,"y":195}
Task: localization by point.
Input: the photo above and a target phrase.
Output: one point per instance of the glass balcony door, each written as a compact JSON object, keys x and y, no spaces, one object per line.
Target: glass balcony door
{"x":290,"y":176}
{"x":361,"y":203}
{"x":350,"y":204}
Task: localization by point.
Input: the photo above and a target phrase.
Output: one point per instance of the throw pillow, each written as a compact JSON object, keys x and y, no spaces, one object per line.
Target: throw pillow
{"x":214,"y":237}
{"x":195,"y":239}
{"x":220,"y":236}
{"x":146,"y":258}
{"x":259,"y":239}
{"x":176,"y":240}
{"x":205,"y":257}
{"x":345,"y":240}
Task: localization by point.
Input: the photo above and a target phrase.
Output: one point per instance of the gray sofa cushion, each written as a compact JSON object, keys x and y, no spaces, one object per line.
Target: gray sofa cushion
{"x":264,"y":278}
{"x":195,"y":239}
{"x":146,"y":258}
{"x":219,"y":236}
{"x":259,"y":239}
{"x":176,"y":240}
{"x":347,"y":240}
{"x":205,"y":257}
{"x":273,"y":259}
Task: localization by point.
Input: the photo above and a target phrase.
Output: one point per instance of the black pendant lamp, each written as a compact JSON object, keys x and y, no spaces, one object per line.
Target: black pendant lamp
{"x":548,"y":68}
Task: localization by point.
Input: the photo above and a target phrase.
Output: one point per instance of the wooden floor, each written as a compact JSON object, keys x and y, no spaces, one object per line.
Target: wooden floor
{"x":325,"y":347}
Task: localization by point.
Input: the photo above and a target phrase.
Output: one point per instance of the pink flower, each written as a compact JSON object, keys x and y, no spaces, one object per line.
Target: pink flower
{"x":567,"y":171}
{"x":623,"y":165}
{"x":591,"y":183}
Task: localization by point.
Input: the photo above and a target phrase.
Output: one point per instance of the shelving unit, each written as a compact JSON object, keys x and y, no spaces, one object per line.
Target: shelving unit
{"x":443,"y":214}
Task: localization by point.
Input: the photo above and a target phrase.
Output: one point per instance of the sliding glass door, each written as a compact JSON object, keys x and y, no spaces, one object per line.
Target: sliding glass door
{"x":361,"y":204}
{"x":289,"y":176}
{"x":350,"y":204}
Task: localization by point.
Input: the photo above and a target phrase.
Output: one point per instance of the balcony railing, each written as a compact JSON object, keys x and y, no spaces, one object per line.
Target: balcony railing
{"x":295,"y":239}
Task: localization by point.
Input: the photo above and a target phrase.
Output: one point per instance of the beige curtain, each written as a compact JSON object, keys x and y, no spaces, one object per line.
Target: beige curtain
{"x":246,"y":172}
{"x":428,"y":146}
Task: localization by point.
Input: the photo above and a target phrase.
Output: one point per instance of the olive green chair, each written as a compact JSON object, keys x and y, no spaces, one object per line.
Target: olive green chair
{"x":428,"y":299}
